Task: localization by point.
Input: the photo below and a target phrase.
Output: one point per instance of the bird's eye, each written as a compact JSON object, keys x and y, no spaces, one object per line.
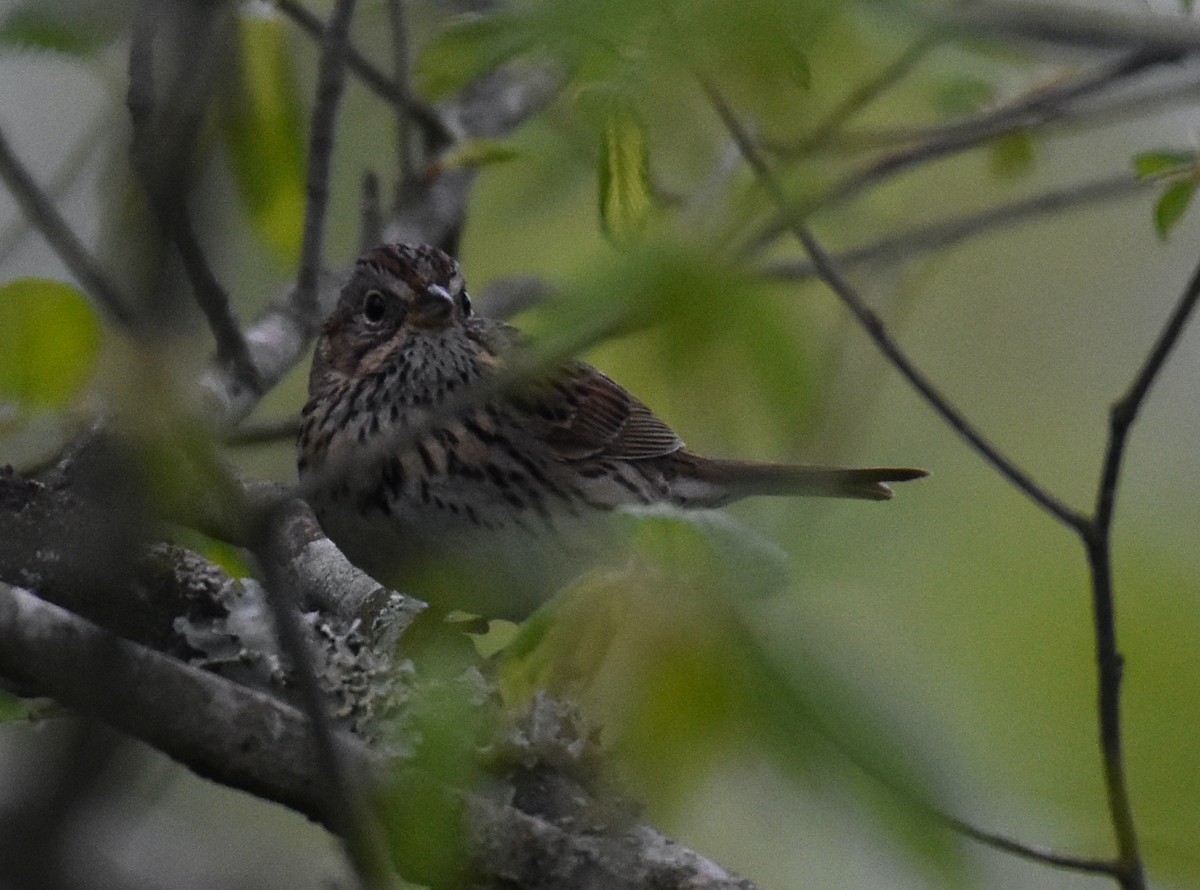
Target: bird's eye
{"x":464,"y":302}
{"x":374,"y":307}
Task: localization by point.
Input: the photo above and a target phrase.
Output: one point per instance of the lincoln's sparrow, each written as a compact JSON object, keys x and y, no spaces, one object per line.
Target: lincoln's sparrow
{"x":405,"y":470}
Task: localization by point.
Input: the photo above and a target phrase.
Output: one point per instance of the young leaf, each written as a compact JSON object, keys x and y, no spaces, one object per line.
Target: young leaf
{"x":1172,"y":205}
{"x":1012,"y":155}
{"x":49,"y":340}
{"x":1152,"y":164}
{"x":57,"y":29}
{"x":263,"y":131}
{"x":464,"y":51}
{"x":625,"y":194}
{"x":475,"y":153}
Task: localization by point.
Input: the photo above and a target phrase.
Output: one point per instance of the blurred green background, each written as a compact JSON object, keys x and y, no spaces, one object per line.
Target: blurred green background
{"x":954,"y":620}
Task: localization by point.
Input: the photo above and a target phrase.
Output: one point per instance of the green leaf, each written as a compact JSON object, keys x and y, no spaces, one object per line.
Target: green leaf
{"x":49,"y":341}
{"x":1012,"y":155}
{"x":52,"y":29}
{"x":625,"y":194}
{"x":1153,"y":164}
{"x":464,"y":51}
{"x":963,"y":95}
{"x":1172,"y":205}
{"x":475,"y":153}
{"x":263,"y":130}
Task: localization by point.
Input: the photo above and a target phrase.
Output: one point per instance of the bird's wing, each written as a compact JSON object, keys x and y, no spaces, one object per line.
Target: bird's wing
{"x":584,"y":414}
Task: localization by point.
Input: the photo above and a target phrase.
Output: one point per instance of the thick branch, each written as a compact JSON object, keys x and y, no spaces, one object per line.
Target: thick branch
{"x":251,"y":741}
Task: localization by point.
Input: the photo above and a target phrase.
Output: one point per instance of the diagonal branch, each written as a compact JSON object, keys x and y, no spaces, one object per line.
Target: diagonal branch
{"x":437,"y":134}
{"x":947,"y":233}
{"x":44,"y":216}
{"x":1033,"y":110}
{"x":331,"y":71}
{"x":165,"y":180}
{"x":873,"y":325}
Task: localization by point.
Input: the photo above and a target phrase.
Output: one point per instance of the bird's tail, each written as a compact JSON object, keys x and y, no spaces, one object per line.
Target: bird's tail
{"x":715,"y":482}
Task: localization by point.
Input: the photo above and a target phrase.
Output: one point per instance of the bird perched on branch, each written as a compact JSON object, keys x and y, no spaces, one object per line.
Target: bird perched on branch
{"x":418,"y":453}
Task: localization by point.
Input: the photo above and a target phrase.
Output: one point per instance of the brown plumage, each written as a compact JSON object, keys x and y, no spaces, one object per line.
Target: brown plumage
{"x":397,"y":478}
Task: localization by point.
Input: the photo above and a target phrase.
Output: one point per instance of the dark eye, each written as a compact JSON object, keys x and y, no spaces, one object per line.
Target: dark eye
{"x":374,"y":306}
{"x":464,"y":302}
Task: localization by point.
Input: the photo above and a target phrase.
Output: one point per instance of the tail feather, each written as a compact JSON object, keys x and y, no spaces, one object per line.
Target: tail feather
{"x":717,"y":482}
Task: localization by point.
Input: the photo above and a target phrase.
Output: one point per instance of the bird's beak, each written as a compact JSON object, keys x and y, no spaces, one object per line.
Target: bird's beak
{"x":432,"y":307}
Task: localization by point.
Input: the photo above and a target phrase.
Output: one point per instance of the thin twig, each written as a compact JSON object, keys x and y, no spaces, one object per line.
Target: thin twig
{"x":349,"y":817}
{"x":832,"y":275}
{"x":331,"y":77}
{"x":284,"y":430}
{"x":946,"y":233}
{"x":438,"y":134}
{"x":401,"y":72}
{"x":44,"y":216}
{"x":1033,"y":110}
{"x":370,"y":213}
{"x":860,"y":97}
{"x":1097,"y":538}
{"x":165,"y":184}
{"x":1072,"y":25}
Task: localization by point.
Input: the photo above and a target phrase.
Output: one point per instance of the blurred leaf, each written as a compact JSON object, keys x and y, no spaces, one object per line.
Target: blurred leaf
{"x":422,"y":807}
{"x":656,"y":651}
{"x":1011,"y":155}
{"x":13,"y":709}
{"x":74,"y":30}
{"x":962,"y":95}
{"x":263,"y":130}
{"x":1152,"y":164}
{"x":474,"y":153}
{"x":468,"y":48}
{"x":1172,"y":205}
{"x":49,"y":342}
{"x":625,"y":191}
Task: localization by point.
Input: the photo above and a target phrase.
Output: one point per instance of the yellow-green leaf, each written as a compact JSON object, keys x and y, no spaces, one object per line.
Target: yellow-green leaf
{"x":1152,"y":164}
{"x":625,"y":194}
{"x":1172,"y":206}
{"x":263,"y":130}
{"x":464,"y":51}
{"x":49,"y":340}
{"x":1012,"y":155}
{"x":477,"y":153}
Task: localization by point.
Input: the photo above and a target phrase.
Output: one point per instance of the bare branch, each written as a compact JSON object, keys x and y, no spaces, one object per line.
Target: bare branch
{"x":1072,"y":25}
{"x":401,"y":65}
{"x":1097,"y":538}
{"x":44,"y":216}
{"x":165,"y":179}
{"x":873,"y":325}
{"x":936,"y":236}
{"x":1033,"y":110}
{"x":330,"y":80}
{"x":437,"y":134}
{"x":348,"y":816}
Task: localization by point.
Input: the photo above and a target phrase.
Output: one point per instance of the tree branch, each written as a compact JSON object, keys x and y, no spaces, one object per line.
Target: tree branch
{"x":527,"y":831}
{"x":164,"y":175}
{"x":44,"y":216}
{"x":1033,"y":110}
{"x":874,"y":327}
{"x":437,"y":134}
{"x":1097,"y":538}
{"x":330,"y":80}
{"x":935,"y":236}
